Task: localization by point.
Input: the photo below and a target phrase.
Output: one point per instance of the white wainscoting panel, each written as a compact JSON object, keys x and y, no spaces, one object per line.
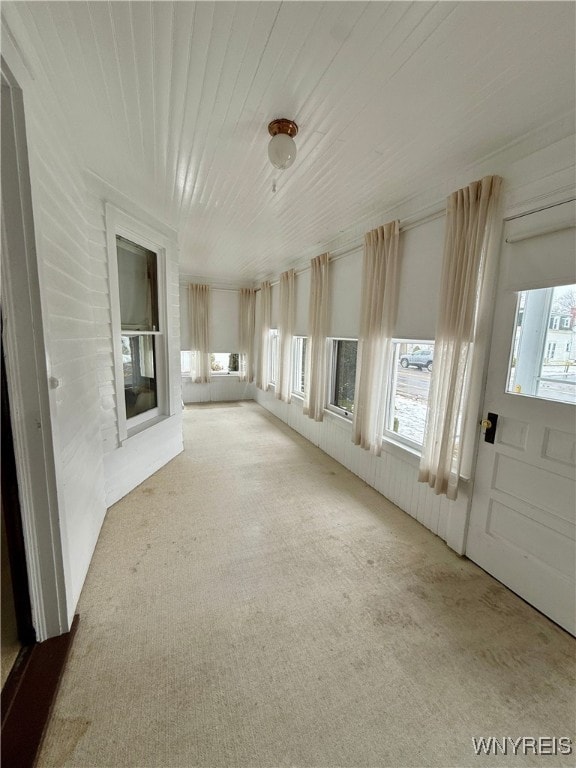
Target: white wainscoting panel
{"x":219,"y":389}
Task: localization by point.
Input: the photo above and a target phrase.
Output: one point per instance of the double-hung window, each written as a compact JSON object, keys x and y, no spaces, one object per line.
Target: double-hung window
{"x":139,"y":320}
{"x":343,"y":376}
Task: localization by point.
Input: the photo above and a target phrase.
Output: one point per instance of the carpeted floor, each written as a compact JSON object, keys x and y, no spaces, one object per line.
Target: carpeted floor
{"x":255,"y":604}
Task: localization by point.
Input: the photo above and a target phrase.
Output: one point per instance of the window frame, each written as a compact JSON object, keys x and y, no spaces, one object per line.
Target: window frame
{"x":273,"y":343}
{"x":331,"y":379}
{"x":119,"y":223}
{"x":389,"y":435}
{"x":298,"y":365}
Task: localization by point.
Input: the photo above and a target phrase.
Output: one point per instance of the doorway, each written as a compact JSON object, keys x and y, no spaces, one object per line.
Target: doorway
{"x":17,"y":627}
{"x":523,"y":517}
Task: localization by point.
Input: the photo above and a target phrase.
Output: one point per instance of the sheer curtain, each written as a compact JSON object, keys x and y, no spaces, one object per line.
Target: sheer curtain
{"x":470,"y":216}
{"x":315,"y":373}
{"x":199,"y":302}
{"x":247,"y":331}
{"x":262,"y":375}
{"x":286,"y":332}
{"x":378,"y":316}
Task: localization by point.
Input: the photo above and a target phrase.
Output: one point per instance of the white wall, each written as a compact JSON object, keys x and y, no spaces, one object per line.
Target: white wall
{"x":91,"y":468}
{"x":224,"y":337}
{"x":127,"y":463}
{"x":70,"y":281}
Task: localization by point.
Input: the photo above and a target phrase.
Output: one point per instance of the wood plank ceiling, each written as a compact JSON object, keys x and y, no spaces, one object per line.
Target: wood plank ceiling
{"x":170,"y":102}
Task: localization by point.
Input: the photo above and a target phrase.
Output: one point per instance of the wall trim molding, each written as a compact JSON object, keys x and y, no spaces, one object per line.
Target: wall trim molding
{"x":27,"y":376}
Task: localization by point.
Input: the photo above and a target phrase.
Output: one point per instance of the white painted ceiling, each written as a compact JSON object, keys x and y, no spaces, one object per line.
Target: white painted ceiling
{"x":170,"y":102}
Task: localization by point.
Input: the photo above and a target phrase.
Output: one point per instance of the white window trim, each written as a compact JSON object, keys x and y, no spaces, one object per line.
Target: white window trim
{"x":297,"y":367}
{"x":389,"y":435}
{"x":118,"y":222}
{"x":272,"y":333}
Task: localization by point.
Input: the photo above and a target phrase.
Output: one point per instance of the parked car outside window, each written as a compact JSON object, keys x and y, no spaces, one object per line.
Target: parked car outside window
{"x":421,"y":358}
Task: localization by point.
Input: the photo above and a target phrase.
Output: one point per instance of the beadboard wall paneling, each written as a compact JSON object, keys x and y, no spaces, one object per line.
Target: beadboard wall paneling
{"x":67,"y":284}
{"x":127,"y":465}
{"x":394,"y":474}
{"x":163,"y":99}
{"x":220,"y":388}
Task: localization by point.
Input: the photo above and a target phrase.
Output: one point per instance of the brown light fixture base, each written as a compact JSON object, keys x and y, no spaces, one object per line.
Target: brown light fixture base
{"x":282,"y":125}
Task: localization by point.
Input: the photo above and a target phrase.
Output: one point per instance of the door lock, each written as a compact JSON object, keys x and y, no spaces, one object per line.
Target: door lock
{"x":489,"y":425}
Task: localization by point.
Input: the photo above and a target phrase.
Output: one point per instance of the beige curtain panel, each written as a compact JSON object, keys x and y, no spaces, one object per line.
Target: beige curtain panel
{"x":315,"y":373}
{"x":286,"y":332}
{"x":469,"y":221}
{"x":263,"y":372}
{"x":247,"y":330}
{"x":378,"y":317}
{"x":199,"y":302}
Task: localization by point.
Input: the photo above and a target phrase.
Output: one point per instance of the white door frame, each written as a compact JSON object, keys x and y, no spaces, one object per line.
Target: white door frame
{"x":27,"y":375}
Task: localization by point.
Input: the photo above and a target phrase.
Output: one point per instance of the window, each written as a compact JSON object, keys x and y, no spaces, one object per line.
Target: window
{"x":140,"y":333}
{"x":408,"y":404}
{"x":566,"y":323}
{"x":343,"y":380}
{"x":186,"y":363}
{"x":542,"y":363}
{"x":222,"y":363}
{"x":273,"y":356}
{"x":138,"y":261}
{"x":298,"y":368}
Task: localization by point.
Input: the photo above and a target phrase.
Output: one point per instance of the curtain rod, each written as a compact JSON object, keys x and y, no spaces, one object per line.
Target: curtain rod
{"x":353,"y":246}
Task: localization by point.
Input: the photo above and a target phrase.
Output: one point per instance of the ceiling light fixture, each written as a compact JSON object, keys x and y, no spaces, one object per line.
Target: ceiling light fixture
{"x":282,"y":148}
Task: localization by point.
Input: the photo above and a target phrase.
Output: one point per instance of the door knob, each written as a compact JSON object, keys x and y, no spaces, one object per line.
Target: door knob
{"x":489,"y":427}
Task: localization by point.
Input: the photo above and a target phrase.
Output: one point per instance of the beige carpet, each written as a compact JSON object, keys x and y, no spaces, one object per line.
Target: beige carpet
{"x":255,"y":604}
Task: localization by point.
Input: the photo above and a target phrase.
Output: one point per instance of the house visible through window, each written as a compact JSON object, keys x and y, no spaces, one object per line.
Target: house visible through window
{"x":406,"y":413}
{"x":543,"y":355}
{"x":343,"y":380}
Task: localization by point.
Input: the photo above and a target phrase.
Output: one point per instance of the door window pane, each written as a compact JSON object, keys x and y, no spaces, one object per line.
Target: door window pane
{"x":543,"y":358}
{"x":139,"y":363}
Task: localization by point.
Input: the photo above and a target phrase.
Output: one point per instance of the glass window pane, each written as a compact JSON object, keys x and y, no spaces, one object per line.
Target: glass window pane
{"x":139,"y":362}
{"x":138,"y":286}
{"x":345,"y":374}
{"x":411,"y":388}
{"x":543,"y":358}
{"x":224,"y":362}
{"x":299,"y":364}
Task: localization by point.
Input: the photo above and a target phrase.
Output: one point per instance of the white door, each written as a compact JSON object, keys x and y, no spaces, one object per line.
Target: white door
{"x":523,"y":517}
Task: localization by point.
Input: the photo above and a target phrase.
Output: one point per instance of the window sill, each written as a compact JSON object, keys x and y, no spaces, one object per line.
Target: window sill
{"x":139,"y":429}
{"x":339,"y":417}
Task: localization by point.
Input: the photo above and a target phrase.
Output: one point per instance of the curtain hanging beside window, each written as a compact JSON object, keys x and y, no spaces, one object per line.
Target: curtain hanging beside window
{"x":247,"y":331}
{"x":286,"y":332}
{"x":315,"y":373}
{"x":262,"y":376}
{"x":378,"y":317}
{"x":199,"y":296}
{"x":470,"y":217}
